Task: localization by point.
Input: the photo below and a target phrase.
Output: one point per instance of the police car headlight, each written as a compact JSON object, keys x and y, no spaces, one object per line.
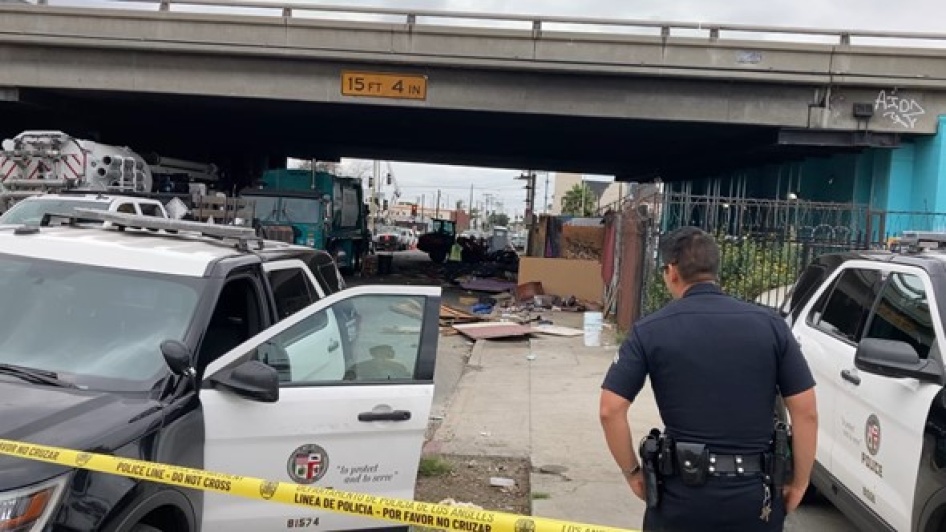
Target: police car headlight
{"x":28,"y":509}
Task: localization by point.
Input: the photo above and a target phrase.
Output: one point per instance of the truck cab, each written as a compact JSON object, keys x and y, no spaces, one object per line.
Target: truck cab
{"x":302,"y":212}
{"x":322,"y":211}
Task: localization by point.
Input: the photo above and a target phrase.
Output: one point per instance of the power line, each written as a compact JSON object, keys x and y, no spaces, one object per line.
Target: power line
{"x":465,"y":187}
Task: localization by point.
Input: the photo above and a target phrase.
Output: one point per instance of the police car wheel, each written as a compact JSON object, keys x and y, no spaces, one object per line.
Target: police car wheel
{"x":937,"y":521}
{"x":141,"y":527}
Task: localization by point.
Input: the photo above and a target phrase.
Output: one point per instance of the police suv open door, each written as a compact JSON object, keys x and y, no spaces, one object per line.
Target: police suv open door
{"x":357,"y":425}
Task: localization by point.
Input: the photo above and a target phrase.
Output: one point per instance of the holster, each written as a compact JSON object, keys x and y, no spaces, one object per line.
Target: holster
{"x":782,"y":467}
{"x":692,"y":463}
{"x":650,"y":460}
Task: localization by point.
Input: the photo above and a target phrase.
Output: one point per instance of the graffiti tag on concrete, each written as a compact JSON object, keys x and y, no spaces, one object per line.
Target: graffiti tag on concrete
{"x":903,"y":111}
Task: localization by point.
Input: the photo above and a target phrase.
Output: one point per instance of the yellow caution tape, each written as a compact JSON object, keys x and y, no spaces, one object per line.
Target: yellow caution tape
{"x":430,"y":515}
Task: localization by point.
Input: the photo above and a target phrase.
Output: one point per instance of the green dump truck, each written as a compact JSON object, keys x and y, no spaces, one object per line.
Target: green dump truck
{"x":321,"y":210}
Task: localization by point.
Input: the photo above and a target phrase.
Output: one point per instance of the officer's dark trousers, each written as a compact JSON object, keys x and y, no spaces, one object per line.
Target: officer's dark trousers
{"x":730,"y":504}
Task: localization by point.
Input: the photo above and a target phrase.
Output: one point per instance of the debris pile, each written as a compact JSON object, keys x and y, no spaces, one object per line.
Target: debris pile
{"x":520,"y":310}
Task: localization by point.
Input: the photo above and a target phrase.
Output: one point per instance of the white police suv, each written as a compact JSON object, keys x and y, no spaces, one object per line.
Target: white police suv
{"x":871,"y":325}
{"x":212,"y":350}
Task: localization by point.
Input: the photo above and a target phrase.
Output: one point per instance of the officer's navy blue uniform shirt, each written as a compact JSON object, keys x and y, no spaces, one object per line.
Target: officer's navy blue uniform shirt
{"x":714,"y":363}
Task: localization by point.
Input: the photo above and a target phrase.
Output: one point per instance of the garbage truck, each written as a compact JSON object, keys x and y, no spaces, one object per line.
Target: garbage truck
{"x":320,"y":209}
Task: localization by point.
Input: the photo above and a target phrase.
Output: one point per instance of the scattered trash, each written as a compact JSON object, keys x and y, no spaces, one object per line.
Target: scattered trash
{"x":452,"y":502}
{"x":481,"y":308}
{"x":468,"y":301}
{"x":452,"y":316}
{"x":530,"y":357}
{"x":592,"y":322}
{"x":529,"y":290}
{"x":552,"y":469}
{"x":502,"y":482}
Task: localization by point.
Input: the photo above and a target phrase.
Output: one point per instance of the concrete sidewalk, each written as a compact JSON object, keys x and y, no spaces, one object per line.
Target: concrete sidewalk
{"x":546,"y":409}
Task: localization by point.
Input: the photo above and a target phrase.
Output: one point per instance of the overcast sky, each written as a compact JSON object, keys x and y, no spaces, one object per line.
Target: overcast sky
{"x":417,"y":180}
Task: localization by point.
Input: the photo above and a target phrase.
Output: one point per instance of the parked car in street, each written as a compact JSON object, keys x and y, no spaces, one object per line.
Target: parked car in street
{"x":408,"y":238}
{"x":387,"y":238}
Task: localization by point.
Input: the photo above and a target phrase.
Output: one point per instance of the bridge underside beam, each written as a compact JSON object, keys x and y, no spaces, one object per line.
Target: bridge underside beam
{"x":288,"y":78}
{"x":818,"y":137}
{"x":223,"y":130}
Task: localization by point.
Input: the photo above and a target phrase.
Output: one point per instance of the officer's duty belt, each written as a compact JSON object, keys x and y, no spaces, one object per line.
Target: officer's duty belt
{"x":734,"y":464}
{"x":688,"y":460}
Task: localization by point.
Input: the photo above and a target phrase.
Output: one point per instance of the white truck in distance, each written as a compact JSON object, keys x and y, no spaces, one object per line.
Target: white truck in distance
{"x":39,"y":162}
{"x":43,"y":162}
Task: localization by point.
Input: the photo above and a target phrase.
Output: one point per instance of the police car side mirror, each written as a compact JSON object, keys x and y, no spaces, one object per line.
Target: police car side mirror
{"x":178,"y":357}
{"x":893,"y":358}
{"x":251,"y":379}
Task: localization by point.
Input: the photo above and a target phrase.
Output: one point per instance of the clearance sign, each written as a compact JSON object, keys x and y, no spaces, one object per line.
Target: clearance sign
{"x":396,"y":510}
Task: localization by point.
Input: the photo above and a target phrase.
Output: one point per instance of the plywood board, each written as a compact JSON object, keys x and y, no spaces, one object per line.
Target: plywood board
{"x":555,"y":330}
{"x":450,"y":316}
{"x":484,"y":331}
{"x":564,"y":277}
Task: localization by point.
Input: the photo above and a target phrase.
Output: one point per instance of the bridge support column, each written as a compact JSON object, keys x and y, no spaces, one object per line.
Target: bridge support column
{"x":929,"y":171}
{"x":893,"y":179}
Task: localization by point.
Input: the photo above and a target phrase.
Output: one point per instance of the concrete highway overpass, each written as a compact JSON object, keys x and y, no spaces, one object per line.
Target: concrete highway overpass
{"x":245,"y":89}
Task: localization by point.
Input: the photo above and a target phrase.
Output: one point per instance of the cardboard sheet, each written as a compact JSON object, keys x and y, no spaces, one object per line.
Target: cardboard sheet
{"x":493,"y":329}
{"x":564,"y":277}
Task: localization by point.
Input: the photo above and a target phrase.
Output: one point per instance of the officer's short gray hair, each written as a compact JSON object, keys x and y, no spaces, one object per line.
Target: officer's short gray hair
{"x":693,"y":251}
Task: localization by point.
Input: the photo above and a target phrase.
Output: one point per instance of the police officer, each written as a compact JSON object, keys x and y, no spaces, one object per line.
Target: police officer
{"x":716,"y":365}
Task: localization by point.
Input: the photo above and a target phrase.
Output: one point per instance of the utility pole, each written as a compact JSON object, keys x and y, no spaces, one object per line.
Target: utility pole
{"x":582,"y":197}
{"x":529,"y":214}
{"x":488,"y":197}
{"x":437,"y":208}
{"x":545,"y":202}
{"x":376,"y":193}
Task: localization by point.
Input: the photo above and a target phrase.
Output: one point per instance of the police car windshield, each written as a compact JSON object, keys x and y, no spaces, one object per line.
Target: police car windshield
{"x":32,"y":212}
{"x":99,"y":328}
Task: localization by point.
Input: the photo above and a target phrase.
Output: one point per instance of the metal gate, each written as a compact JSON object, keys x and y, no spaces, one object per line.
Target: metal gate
{"x":764,"y":243}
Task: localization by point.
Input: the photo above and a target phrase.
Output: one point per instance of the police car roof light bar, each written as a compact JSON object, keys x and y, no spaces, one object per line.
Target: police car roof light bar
{"x":242,"y":235}
{"x":917,"y":241}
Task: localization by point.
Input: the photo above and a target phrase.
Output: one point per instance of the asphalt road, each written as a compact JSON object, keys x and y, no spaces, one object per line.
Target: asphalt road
{"x":413,"y":267}
{"x":818,"y":514}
